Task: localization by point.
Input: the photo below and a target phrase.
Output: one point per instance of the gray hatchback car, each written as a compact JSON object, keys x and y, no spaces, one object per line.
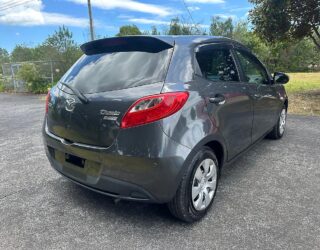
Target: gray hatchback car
{"x":155,"y":118}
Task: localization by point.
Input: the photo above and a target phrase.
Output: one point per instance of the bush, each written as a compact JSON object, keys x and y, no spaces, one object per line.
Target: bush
{"x":30,"y":74}
{"x":4,"y":86}
{"x":1,"y":84}
{"x":39,"y":88}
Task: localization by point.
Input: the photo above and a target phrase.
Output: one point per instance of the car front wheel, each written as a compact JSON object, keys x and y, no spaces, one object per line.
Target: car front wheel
{"x":279,"y":129}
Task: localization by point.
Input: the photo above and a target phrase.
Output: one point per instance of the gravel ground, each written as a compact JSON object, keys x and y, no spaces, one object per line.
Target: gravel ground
{"x":268,"y":199}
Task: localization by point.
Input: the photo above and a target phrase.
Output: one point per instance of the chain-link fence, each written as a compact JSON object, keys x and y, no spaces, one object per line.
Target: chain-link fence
{"x":49,"y":72}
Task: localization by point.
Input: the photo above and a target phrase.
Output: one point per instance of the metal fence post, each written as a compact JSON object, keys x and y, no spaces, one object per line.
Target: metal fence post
{"x":12,"y":76}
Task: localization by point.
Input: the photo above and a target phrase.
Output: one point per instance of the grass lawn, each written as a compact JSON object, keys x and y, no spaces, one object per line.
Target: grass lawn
{"x":304,"y":93}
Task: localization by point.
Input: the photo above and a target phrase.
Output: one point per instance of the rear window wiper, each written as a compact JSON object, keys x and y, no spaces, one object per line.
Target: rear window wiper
{"x":81,"y":96}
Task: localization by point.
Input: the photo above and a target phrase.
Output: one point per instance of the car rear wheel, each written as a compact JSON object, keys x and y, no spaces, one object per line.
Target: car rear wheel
{"x":198,"y":187}
{"x":279,"y":129}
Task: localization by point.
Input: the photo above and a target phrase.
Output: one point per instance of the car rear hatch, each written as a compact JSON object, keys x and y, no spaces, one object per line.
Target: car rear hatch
{"x":112,"y":75}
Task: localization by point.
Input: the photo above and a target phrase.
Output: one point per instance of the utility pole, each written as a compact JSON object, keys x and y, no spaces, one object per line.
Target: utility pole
{"x":91,"y":21}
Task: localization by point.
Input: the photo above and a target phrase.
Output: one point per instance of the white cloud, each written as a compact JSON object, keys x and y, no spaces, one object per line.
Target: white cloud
{"x":128,"y":5}
{"x":55,"y":18}
{"x":206,"y":1}
{"x":148,"y":21}
{"x":240,"y":9}
{"x":193,"y":8}
{"x":29,"y":13}
{"x":204,"y":26}
{"x":125,"y":16}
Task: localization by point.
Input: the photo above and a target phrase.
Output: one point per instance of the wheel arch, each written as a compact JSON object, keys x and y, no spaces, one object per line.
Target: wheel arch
{"x":215,"y":143}
{"x":218,"y":149}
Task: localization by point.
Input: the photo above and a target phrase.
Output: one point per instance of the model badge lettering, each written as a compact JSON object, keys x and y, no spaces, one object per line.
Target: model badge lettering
{"x":106,"y":112}
{"x":109,"y":115}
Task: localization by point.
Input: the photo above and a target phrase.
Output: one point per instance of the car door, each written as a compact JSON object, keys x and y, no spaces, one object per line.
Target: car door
{"x":266,"y":101}
{"x":229,"y":101}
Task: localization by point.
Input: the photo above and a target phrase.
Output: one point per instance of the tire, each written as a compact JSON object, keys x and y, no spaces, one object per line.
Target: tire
{"x":201,"y":177}
{"x":279,"y":129}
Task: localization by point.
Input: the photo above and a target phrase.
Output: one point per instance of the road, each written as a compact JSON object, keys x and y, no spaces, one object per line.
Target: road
{"x":268,"y":199}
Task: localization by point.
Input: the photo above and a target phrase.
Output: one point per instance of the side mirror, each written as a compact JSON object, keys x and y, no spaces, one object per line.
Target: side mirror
{"x":280,"y":78}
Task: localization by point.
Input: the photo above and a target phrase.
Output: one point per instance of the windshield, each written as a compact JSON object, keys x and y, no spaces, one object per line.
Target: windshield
{"x":118,"y":70}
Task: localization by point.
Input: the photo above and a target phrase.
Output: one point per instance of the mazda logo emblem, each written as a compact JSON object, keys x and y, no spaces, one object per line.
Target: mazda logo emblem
{"x":70,"y":104}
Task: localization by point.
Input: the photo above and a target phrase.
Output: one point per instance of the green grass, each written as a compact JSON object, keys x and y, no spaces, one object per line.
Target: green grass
{"x":303,"y":82}
{"x":304,"y":93}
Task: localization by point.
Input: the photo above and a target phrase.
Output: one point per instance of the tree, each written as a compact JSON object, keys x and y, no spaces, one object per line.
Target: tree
{"x":128,"y":30}
{"x":30,"y":74}
{"x":218,"y":27}
{"x":4,"y":58}
{"x":291,"y":56}
{"x":177,"y":27}
{"x":244,"y":35}
{"x":60,"y":48}
{"x":279,"y":20}
{"x":61,"y":40}
{"x":21,"y":53}
{"x":154,"y":31}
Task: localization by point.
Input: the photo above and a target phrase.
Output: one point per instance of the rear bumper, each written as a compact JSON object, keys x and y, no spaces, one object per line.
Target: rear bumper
{"x":134,"y":167}
{"x":105,"y":185}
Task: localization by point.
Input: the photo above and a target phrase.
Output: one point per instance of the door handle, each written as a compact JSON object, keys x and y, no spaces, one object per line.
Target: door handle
{"x":218,"y":99}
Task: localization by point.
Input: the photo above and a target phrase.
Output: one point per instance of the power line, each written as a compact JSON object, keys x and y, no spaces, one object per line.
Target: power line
{"x":191,"y":17}
{"x":14,"y":4}
{"x":10,"y":3}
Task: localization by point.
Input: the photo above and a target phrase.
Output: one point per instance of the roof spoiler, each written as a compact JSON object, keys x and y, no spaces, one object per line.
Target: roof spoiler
{"x":124,"y":44}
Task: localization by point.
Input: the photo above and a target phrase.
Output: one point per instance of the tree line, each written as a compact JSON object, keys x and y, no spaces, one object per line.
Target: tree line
{"x":297,"y":55}
{"x":59,"y":48}
{"x":284,"y":34}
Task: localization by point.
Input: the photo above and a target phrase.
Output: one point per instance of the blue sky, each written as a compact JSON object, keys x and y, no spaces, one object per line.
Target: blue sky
{"x":29,"y":22}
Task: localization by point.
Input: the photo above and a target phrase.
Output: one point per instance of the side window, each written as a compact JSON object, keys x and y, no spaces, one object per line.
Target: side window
{"x":217,"y":65}
{"x":253,"y":71}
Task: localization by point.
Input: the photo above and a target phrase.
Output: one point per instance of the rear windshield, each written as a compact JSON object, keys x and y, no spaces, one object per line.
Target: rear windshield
{"x":118,"y":70}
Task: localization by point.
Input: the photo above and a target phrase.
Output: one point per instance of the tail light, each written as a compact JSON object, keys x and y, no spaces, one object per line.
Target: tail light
{"x":152,"y":108}
{"x":48,"y":97}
